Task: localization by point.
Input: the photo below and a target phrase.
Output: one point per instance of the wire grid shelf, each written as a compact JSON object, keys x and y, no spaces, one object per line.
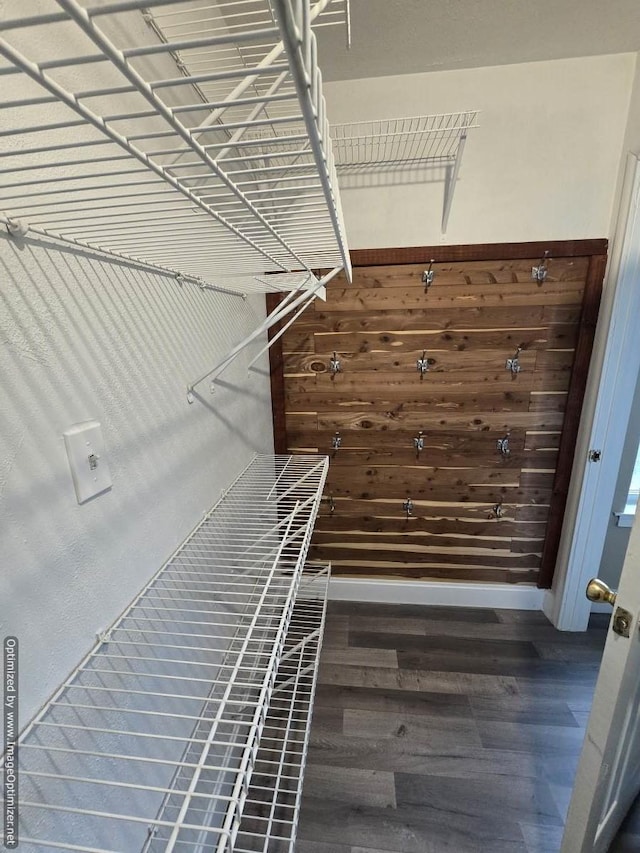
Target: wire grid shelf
{"x":154,"y":738}
{"x":270,"y":814}
{"x":401,"y":141}
{"x":125,"y":130}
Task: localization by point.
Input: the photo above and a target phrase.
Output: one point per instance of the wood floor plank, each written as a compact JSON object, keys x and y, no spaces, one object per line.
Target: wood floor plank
{"x":443,"y":644}
{"x":375,"y":788}
{"x":406,"y":829}
{"x":305,"y":845}
{"x":353,"y":656}
{"x":520,"y":709}
{"x":514,"y":798}
{"x":538,"y":631}
{"x":398,"y":701}
{"x":411,"y":611}
{"x":514,"y":667}
{"x":466,"y":684}
{"x":376,"y":725}
{"x":534,"y":738}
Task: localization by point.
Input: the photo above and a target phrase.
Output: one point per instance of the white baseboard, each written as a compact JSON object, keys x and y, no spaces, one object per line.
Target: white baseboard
{"x":501,"y":596}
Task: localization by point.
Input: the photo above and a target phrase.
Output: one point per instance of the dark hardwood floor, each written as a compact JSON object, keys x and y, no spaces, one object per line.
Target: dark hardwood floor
{"x":447,"y":730}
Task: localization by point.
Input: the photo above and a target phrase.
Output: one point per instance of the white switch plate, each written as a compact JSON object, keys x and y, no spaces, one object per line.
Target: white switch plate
{"x":87,"y":459}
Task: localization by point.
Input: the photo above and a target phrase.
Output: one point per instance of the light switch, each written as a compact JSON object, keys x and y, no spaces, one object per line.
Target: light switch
{"x":87,"y":459}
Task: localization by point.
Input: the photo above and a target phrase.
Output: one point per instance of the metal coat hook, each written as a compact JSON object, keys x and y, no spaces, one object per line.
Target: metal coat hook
{"x":422,"y":364}
{"x":513,"y":364}
{"x":497,"y":511}
{"x":539,"y":273}
{"x":418,"y":443}
{"x":336,"y":441}
{"x":502,"y":445}
{"x":407,"y":506}
{"x":334,"y":365}
{"x":428,"y":275}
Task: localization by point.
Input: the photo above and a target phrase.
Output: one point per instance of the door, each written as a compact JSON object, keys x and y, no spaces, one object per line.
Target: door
{"x":608,"y":777}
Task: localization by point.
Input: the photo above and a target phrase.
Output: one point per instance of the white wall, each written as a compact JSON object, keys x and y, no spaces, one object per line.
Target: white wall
{"x":542,"y":166}
{"x":84,"y":338}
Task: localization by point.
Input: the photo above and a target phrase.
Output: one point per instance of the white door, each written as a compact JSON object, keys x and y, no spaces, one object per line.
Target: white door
{"x":608,"y":777}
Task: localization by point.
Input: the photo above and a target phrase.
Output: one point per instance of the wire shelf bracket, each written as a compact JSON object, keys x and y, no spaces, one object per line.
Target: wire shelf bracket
{"x":412,"y":141}
{"x":164,"y":738}
{"x":300,"y":298}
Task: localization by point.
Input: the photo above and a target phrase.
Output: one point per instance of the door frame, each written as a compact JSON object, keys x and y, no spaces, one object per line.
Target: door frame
{"x":595,"y":249}
{"x":610,"y":390}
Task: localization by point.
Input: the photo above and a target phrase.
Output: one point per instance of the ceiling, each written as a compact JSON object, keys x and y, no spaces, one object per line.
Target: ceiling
{"x":410,"y":36}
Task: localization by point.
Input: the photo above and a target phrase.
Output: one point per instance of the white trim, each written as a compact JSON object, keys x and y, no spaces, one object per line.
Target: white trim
{"x":617,"y":361}
{"x":503,"y":596}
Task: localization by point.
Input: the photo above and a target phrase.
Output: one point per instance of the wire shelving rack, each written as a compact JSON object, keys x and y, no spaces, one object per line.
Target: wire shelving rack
{"x":152,"y":742}
{"x":400,"y":143}
{"x":129,"y":127}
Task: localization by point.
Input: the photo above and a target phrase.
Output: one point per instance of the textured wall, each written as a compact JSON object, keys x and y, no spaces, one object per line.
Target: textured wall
{"x":542,"y":165}
{"x":83,"y":338}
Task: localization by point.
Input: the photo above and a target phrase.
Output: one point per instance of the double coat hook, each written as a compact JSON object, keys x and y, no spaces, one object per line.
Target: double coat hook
{"x":540,"y":272}
{"x":428,"y":275}
{"x":422,"y":364}
{"x":407,"y":506}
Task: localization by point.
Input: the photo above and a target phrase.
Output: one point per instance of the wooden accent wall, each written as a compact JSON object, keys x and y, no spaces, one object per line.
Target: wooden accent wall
{"x":473,"y":317}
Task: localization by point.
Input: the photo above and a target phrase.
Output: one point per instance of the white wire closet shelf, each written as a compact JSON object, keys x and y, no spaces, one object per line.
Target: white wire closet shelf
{"x":188,"y":135}
{"x":271,"y":811}
{"x":401,"y":143}
{"x":151,"y":743}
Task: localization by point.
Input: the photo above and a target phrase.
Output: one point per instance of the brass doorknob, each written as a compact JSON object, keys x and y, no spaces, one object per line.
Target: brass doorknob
{"x":598,"y":591}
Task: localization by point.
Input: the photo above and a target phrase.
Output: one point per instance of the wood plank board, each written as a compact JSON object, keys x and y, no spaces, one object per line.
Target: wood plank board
{"x":420,"y":398}
{"x":349,"y":299}
{"x":545,"y":460}
{"x":399,"y":419}
{"x":499,"y":380}
{"x":430,"y":318}
{"x":457,"y":339}
{"x":503,"y":528}
{"x":437,"y":542}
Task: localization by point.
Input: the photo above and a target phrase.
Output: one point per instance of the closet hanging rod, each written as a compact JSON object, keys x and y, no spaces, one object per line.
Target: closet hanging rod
{"x":133,"y":261}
